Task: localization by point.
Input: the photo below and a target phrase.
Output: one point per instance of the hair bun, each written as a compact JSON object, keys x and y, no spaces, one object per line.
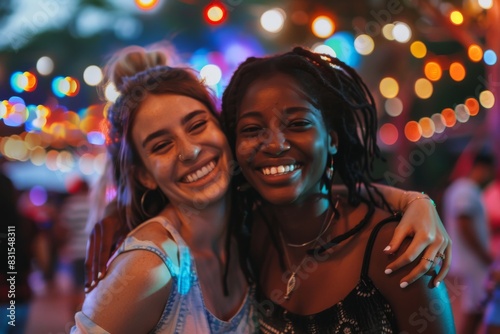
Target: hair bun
{"x":133,"y":60}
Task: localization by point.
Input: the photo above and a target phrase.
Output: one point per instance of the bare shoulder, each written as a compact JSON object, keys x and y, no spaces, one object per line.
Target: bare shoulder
{"x":137,"y":286}
{"x":418,"y":307}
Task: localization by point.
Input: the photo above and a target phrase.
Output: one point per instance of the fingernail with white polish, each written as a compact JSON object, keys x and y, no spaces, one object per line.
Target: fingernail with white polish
{"x":388,"y":248}
{"x":99,"y":275}
{"x":388,"y":271}
{"x":403,"y":285}
{"x":437,"y":284}
{"x":92,"y":284}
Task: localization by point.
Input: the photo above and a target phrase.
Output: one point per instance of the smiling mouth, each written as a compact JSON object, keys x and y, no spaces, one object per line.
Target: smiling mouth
{"x":200,"y":173}
{"x":280,"y":170}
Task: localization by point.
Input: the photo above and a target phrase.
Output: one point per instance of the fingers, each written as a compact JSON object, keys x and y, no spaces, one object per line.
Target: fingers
{"x":445,"y":264}
{"x":105,"y":249}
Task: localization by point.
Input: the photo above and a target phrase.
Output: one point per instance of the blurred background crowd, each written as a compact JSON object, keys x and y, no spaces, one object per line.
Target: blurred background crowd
{"x":432,"y":66}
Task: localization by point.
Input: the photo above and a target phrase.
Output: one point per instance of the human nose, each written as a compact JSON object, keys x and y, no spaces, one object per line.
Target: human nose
{"x":188,"y":150}
{"x":275,"y":143}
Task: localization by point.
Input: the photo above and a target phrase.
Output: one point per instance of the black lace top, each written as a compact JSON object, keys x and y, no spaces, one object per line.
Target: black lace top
{"x":363,"y":310}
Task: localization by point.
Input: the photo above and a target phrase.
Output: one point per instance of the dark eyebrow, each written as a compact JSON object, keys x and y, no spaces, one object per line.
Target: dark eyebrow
{"x":288,"y":111}
{"x":161,"y":132}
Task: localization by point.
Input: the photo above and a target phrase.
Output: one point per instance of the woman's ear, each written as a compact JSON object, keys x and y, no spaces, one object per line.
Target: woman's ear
{"x":333,"y":141}
{"x":145,"y":178}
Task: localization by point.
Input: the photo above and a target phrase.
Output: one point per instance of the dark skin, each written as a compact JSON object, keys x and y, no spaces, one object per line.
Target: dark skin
{"x":346,"y":258}
{"x":278,"y":128}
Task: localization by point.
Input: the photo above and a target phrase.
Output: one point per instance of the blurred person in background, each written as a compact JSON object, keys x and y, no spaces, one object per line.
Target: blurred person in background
{"x":72,"y":223}
{"x":465,"y":219}
{"x":17,"y":250}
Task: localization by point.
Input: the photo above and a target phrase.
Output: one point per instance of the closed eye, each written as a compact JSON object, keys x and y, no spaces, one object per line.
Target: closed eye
{"x":197,"y":126}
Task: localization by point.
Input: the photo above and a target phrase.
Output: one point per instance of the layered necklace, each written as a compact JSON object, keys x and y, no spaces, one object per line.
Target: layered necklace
{"x":290,"y":286}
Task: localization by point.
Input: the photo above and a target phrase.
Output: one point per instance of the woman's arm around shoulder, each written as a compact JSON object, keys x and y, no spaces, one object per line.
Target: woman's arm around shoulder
{"x":420,"y":307}
{"x":132,"y":296}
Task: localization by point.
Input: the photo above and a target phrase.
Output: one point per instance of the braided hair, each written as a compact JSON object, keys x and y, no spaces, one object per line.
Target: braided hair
{"x":137,"y":73}
{"x":346,"y":105}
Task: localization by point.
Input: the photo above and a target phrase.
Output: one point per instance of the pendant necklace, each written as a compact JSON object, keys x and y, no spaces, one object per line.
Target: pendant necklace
{"x":290,"y":286}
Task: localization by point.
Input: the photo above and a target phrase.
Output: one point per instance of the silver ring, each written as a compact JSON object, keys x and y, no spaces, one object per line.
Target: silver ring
{"x":441,"y":256}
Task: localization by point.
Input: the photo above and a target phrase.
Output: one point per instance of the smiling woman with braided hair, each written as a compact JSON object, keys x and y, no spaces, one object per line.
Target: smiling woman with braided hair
{"x":155,"y":147}
{"x":293,"y":120}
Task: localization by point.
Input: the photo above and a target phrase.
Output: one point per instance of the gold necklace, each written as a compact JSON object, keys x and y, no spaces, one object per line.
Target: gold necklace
{"x":322,"y":231}
{"x":290,"y":286}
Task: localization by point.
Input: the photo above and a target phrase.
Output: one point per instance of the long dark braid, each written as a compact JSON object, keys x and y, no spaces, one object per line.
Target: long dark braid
{"x":344,"y":100}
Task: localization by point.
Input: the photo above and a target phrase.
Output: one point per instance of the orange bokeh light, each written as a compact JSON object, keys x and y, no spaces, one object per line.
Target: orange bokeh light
{"x":433,"y":71}
{"x":457,"y":71}
{"x":449,"y":117}
{"x":413,"y":131}
{"x":473,"y":106}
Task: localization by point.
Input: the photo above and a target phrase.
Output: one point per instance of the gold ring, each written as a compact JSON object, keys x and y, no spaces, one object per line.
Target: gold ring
{"x":441,"y":255}
{"x":426,"y":259}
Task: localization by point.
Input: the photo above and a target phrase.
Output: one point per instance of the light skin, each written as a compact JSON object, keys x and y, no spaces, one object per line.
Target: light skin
{"x":282,"y":146}
{"x":185,"y":154}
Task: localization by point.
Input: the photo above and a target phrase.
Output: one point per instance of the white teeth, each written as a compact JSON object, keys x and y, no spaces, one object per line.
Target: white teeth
{"x":203,"y":171}
{"x":279,"y":170}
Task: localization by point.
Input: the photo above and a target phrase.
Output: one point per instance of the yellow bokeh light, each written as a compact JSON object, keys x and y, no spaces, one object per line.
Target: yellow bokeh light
{"x":487,"y":99}
{"x":433,"y":71}
{"x":387,"y":31}
{"x":457,"y":71}
{"x":428,"y":127}
{"x":456,"y":17}
{"x":146,"y":4}
{"x":475,"y":53}
{"x":418,"y":49}
{"x":37,"y":156}
{"x":389,"y":87}
{"x":423,"y":88}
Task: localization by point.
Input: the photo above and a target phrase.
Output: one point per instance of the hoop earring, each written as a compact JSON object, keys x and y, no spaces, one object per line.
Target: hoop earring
{"x":143,"y":199}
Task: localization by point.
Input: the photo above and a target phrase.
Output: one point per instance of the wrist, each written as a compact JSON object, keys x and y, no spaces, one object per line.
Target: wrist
{"x":408,"y":197}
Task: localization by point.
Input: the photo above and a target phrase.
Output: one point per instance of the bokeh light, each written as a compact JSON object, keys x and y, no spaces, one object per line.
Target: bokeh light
{"x":92,"y":75}
{"x":389,"y":87}
{"x":45,"y":65}
{"x":418,"y":49}
{"x":388,"y":134}
{"x":423,"y":88}
{"x":485,"y":4}
{"x":427,"y":126}
{"x":487,"y":99}
{"x":211,"y":74}
{"x":401,"y":32}
{"x":364,"y":44}
{"x":457,"y":71}
{"x":215,"y":13}
{"x":387,"y":31}
{"x":475,"y":53}
{"x":473,"y":106}
{"x":439,"y":123}
{"x":413,"y":131}
{"x":273,"y":20}
{"x":433,"y":71}
{"x":323,"y":26}
{"x":456,"y":17}
{"x":490,"y":57}
{"x":38,"y":195}
{"x":394,"y":106}
{"x":147,"y":5}
{"x":462,"y":113}
{"x":449,"y":117}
